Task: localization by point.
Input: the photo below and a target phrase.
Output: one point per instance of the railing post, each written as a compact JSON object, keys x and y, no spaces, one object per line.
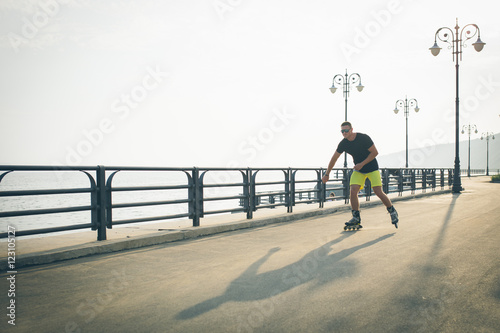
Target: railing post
{"x":424,"y":180}
{"x":321,"y":189}
{"x":195,"y":197}
{"x":400,"y":183}
{"x":101,"y":202}
{"x":253,"y":192}
{"x":247,"y":192}
{"x":291,"y":189}
{"x":345,"y":185}
{"x":94,"y":203}
{"x":413,"y":181}
{"x":368,"y":190}
{"x":385,"y":180}
{"x":109,"y":200}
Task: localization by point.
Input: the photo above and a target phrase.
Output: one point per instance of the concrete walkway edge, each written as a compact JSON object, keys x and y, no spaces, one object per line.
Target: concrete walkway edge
{"x":161,"y":237}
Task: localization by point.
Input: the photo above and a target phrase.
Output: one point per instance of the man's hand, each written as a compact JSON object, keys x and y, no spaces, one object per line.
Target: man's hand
{"x":358,"y":166}
{"x":325,"y":178}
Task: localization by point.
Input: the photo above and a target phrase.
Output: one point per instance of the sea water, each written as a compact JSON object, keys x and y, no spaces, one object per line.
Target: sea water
{"x":43,"y":180}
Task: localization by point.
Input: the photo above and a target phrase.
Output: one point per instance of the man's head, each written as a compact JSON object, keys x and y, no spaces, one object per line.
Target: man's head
{"x":346,"y":129}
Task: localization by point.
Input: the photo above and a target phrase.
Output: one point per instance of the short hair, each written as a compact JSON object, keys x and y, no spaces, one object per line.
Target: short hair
{"x":346,"y":123}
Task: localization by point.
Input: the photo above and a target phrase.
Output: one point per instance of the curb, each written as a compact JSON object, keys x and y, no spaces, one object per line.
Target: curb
{"x":161,"y":237}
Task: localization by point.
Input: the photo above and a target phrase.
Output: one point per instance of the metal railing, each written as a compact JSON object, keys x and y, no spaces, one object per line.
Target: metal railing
{"x":200,"y":187}
{"x":473,"y":172}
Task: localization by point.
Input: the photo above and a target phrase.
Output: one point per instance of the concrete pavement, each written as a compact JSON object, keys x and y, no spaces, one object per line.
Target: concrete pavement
{"x":439,"y":272}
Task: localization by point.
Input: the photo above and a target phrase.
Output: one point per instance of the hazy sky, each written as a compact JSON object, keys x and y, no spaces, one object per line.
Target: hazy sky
{"x":233,"y":82}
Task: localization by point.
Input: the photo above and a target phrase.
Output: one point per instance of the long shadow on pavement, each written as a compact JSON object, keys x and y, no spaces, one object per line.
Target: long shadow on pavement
{"x":315,"y":265}
{"x":430,"y":289}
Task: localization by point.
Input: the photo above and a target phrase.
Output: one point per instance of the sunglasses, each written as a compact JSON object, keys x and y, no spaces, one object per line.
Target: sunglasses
{"x":345,"y":130}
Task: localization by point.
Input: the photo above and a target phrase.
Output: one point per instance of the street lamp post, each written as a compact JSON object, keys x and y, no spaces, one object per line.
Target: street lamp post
{"x":406,"y":104}
{"x":469,"y":128}
{"x":456,"y":43}
{"x":346,"y":81}
{"x":487,"y":136}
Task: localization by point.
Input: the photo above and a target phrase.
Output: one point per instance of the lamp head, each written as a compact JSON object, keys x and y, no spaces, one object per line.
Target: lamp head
{"x":435,"y":49}
{"x":360,"y":87}
{"x":478,"y":45}
{"x":417,"y":109}
{"x":333,"y":89}
{"x":396,"y":110}
{"x":463,"y":132}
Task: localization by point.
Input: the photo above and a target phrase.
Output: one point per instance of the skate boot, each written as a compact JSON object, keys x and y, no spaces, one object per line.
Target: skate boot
{"x":355,"y":222}
{"x":394,"y":216}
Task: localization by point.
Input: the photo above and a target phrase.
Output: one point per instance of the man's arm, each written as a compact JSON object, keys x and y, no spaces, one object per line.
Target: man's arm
{"x":373,"y":153}
{"x":333,"y":160}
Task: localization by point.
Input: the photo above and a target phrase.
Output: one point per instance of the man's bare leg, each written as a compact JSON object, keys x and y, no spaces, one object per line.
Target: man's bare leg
{"x":385,"y":199}
{"x":354,"y":197}
{"x":387,"y":202}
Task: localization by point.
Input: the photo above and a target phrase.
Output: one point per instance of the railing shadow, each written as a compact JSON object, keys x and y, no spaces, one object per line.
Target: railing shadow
{"x":317,"y":265}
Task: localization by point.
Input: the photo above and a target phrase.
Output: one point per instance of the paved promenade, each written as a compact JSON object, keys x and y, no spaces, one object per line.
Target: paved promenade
{"x":439,"y":272}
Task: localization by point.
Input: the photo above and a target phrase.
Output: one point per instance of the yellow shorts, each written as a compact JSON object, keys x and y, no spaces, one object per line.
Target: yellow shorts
{"x":358,"y":178}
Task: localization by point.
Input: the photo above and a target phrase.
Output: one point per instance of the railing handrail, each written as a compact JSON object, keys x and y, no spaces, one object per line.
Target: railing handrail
{"x":101,"y":191}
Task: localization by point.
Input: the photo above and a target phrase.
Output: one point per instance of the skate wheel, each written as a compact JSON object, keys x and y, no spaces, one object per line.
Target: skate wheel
{"x":345,"y":228}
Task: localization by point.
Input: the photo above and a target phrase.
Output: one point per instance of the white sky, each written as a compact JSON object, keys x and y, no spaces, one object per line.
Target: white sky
{"x":232,"y":82}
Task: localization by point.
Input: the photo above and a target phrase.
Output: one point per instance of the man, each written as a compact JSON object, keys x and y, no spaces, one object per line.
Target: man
{"x":360,"y":146}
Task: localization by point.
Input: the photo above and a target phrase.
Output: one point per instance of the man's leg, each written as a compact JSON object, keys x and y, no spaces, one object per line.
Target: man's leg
{"x":385,"y":199}
{"x":376,"y":182}
{"x":354,"y":197}
{"x":356,"y":218}
{"x":387,"y":202}
{"x":356,"y":183}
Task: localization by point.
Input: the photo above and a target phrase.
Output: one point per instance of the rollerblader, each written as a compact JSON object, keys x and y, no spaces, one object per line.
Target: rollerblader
{"x":362,"y":149}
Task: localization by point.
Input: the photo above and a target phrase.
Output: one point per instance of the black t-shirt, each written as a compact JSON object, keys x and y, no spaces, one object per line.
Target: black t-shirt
{"x":358,"y":149}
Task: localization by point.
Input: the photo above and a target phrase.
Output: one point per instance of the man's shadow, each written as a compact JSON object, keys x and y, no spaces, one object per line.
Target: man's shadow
{"x":316,"y":265}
